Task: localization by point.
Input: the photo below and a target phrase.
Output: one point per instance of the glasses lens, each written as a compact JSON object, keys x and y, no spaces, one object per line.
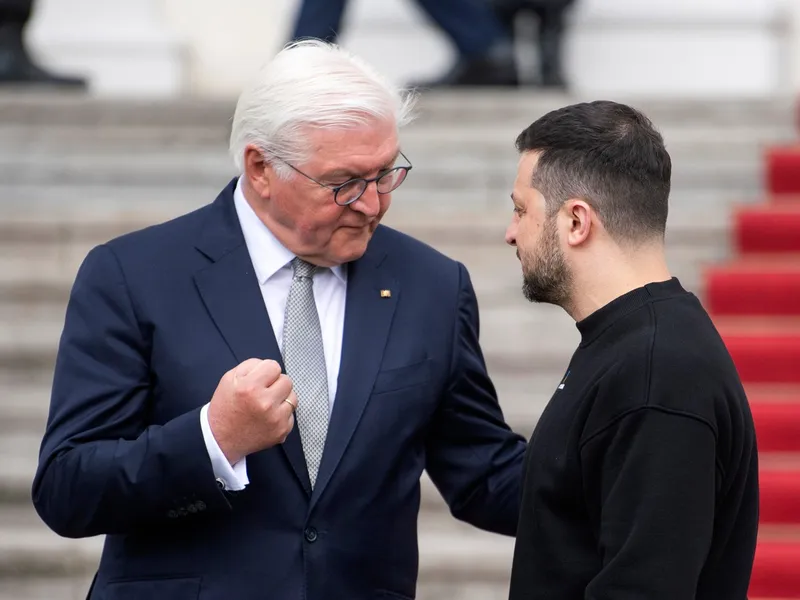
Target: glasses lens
{"x":392,"y":180}
{"x":351,"y":191}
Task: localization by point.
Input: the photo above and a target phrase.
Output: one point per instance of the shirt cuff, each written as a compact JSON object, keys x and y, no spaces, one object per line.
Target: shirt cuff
{"x":233,"y":478}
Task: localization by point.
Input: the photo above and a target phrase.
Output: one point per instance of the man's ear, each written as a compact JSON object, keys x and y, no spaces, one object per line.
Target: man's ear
{"x":579,"y":216}
{"x":257,"y":171}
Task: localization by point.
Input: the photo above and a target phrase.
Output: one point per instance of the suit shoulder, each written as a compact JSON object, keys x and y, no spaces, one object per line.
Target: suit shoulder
{"x":159,"y":237}
{"x":412,"y":249}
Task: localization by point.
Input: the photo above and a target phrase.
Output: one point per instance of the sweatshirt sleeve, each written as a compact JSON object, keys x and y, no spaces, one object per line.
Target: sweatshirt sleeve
{"x":652,"y":476}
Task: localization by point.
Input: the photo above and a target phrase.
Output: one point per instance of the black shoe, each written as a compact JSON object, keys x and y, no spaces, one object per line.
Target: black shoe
{"x":553,"y":81}
{"x":479,"y":72}
{"x":551,"y":37}
{"x":23,"y":73}
{"x":550,"y":16}
{"x":17,"y":68}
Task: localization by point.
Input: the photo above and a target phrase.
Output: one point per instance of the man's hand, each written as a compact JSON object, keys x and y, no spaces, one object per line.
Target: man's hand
{"x":252,"y":409}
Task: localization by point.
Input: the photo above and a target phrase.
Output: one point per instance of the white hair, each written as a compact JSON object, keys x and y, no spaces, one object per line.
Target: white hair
{"x":311,"y":83}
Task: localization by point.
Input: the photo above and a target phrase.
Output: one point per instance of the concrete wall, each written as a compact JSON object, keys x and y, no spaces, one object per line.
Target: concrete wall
{"x":745,"y":48}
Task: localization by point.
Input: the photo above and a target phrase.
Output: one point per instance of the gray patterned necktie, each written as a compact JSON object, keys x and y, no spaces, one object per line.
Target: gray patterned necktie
{"x":304,"y":358}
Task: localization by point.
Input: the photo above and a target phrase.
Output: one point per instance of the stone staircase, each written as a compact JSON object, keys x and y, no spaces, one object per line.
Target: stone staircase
{"x":75,"y":172}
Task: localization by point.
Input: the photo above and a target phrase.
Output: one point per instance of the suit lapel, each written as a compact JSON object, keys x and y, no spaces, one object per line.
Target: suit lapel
{"x":368,"y":318}
{"x":230,"y":291}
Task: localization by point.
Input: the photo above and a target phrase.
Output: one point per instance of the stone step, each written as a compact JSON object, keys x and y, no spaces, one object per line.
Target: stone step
{"x":493,"y":266}
{"x":38,"y":265}
{"x":523,"y":399}
{"x":515,"y":337}
{"x":24,"y":408}
{"x":35,"y":368}
{"x":470,"y":139}
{"x":458,"y":107}
{"x":449,"y":550}
{"x":485,"y":104}
{"x":696,"y":220}
{"x":475,"y":176}
{"x":46,"y":588}
{"x":31,"y":216}
{"x":444,"y":587}
{"x":35,"y":281}
{"x":457,"y":561}
{"x":542,"y":334}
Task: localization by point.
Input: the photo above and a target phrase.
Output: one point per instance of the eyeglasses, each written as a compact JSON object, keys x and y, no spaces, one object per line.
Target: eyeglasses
{"x":352,"y":189}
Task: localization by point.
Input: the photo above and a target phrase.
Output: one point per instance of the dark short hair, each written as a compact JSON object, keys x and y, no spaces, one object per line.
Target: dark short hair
{"x":609,"y":155}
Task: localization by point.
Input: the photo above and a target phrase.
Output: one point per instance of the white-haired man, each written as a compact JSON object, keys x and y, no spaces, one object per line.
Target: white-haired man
{"x":245,"y":397}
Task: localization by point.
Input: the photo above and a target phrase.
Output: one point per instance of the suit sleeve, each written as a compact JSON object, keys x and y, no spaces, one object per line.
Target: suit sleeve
{"x":473,"y":457}
{"x":654,"y":474}
{"x":103,"y":468}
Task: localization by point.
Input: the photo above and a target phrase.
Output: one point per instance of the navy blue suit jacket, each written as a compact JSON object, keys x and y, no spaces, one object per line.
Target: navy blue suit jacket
{"x":156,"y":317}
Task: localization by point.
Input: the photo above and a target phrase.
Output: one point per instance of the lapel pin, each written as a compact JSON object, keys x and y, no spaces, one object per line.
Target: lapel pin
{"x":386,"y":293}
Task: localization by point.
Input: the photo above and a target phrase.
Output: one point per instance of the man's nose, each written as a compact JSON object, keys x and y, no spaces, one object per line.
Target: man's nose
{"x":511,"y":235}
{"x":369,"y":202}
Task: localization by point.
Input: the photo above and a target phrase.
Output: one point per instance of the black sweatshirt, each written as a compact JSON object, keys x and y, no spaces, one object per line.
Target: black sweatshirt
{"x":641,"y":477}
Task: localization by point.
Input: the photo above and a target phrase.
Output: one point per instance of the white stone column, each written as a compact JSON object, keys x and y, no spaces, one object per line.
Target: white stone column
{"x":228,"y":41}
{"x":791,"y":75}
{"x":124,"y":47}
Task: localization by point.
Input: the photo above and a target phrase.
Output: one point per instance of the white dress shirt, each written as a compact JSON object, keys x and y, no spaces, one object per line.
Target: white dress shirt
{"x":271,"y":261}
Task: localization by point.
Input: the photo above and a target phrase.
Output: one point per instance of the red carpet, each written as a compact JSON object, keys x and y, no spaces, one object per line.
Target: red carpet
{"x":768,"y":228}
{"x":755,"y":302}
{"x":775,"y":572}
{"x":783,"y":170}
{"x":759,"y":286}
{"x":780,"y":492}
{"x":777,"y":418}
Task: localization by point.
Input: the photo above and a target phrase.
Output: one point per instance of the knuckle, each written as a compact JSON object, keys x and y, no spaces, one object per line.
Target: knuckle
{"x":245,"y":391}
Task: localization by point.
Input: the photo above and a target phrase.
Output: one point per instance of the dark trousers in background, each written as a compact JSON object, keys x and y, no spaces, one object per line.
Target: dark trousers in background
{"x":15,"y":10}
{"x":470,"y":24}
{"x":14,"y":15}
{"x":551,"y":24}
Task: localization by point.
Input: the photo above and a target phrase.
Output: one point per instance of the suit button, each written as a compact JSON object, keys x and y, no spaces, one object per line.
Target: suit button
{"x":311,"y":535}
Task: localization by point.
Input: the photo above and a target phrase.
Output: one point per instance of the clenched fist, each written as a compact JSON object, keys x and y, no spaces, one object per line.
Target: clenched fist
{"x":252,"y":409}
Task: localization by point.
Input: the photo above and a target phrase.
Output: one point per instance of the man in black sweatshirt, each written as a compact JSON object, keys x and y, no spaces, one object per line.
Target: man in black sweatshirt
{"x":641,"y":475}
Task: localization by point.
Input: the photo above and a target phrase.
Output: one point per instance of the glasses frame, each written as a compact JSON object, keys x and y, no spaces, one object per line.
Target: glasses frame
{"x":336,"y":188}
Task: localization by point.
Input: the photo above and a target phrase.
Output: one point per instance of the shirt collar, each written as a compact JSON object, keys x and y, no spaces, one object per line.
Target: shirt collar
{"x":268,"y":255}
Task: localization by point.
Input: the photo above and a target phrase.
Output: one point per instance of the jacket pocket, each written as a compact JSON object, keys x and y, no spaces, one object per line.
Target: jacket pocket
{"x":387,"y":595}
{"x":183,"y":588}
{"x":392,"y":380}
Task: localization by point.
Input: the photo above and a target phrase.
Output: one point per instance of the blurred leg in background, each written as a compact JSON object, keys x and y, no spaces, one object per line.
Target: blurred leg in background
{"x":550,"y":17}
{"x":16,"y":65}
{"x":485,"y":50}
{"x":319,"y":19}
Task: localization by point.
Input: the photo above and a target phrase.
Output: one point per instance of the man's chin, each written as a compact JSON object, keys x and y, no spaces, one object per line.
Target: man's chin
{"x":533,"y":295}
{"x":539,"y":294}
{"x":354,"y":248}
